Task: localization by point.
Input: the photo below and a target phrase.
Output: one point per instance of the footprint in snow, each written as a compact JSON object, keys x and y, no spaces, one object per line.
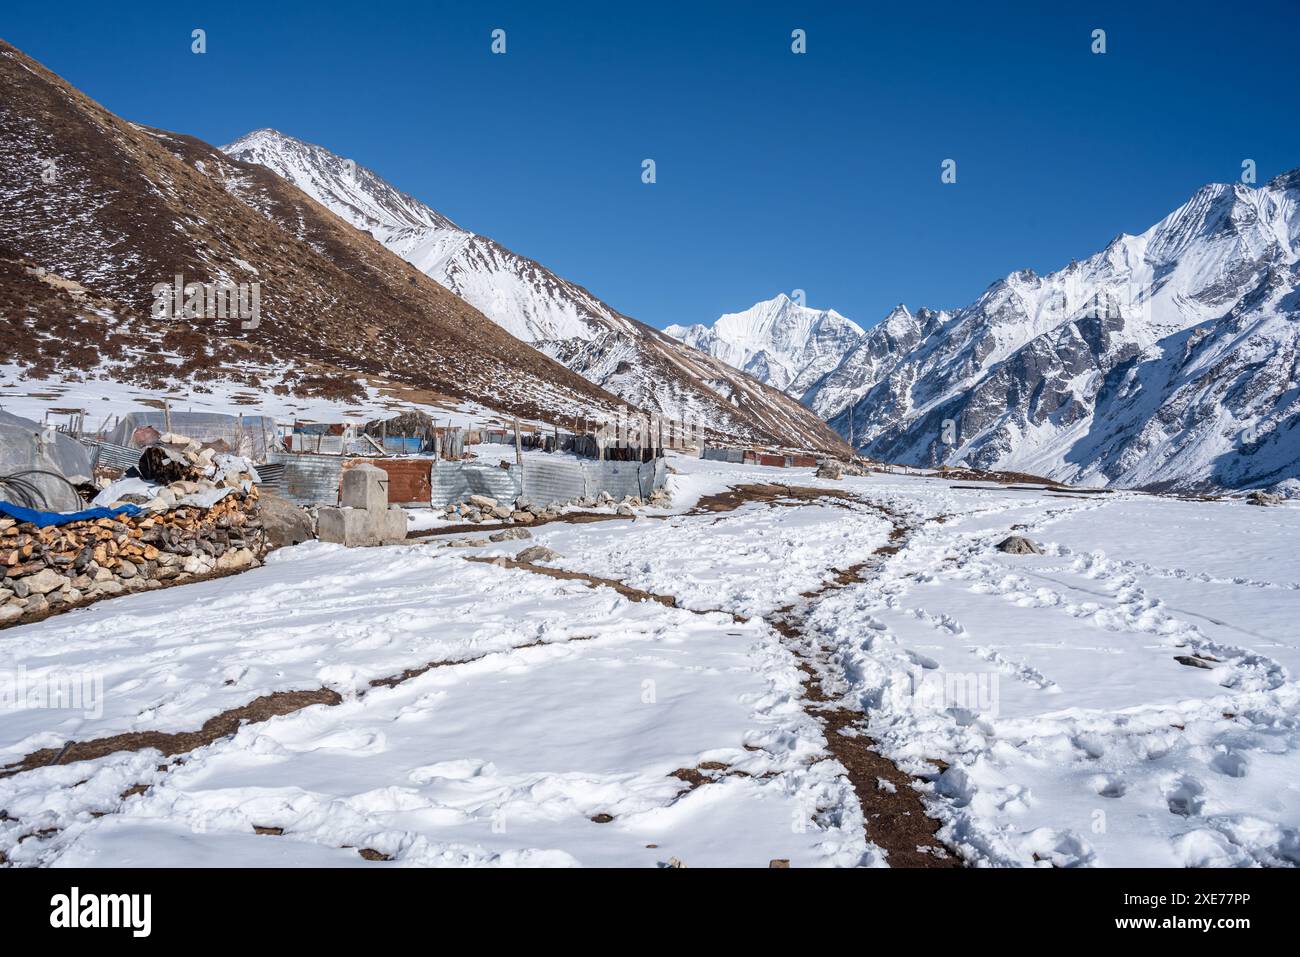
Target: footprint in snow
{"x":1108,"y":785}
{"x":1185,"y":796}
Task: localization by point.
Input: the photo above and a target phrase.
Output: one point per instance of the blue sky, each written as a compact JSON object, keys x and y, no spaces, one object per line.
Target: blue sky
{"x":775,"y":171}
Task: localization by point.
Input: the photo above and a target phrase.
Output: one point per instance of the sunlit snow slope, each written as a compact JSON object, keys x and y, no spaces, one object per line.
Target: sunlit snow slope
{"x":1167,"y":360}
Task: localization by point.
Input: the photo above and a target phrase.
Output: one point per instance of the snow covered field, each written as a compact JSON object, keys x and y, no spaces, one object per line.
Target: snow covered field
{"x":1037,"y":700}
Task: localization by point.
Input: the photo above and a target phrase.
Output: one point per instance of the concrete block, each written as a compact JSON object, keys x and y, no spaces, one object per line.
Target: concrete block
{"x":365,"y":486}
{"x":392,"y":525}
{"x":352,"y":527}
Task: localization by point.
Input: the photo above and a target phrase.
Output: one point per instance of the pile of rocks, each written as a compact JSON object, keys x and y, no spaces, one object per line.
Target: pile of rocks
{"x":205,"y":523}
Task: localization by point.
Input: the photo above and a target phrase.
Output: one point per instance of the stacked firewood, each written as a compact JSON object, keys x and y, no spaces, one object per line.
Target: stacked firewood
{"x":44,"y":569}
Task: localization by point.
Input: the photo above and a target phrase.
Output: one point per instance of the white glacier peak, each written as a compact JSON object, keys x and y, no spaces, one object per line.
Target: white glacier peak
{"x":1168,"y":360}
{"x":779,"y":341}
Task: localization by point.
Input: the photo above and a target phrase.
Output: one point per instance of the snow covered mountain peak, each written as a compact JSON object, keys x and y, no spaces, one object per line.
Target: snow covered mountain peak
{"x":779,"y":341}
{"x":334,"y":181}
{"x":1168,"y":359}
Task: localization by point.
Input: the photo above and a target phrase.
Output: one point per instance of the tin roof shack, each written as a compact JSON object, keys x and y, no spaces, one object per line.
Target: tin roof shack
{"x":777,"y":458}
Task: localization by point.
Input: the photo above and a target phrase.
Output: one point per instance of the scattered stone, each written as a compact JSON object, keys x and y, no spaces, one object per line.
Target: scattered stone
{"x":465,"y":542}
{"x":501,"y":511}
{"x":1264,"y":498}
{"x":830,"y":470}
{"x":780,"y":862}
{"x":536,"y":554}
{"x":284,"y":523}
{"x":1019,"y":545}
{"x":483,"y":501}
{"x":510,"y":534}
{"x":624,"y":509}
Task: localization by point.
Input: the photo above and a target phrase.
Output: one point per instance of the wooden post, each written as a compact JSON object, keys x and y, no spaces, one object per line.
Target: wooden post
{"x":519,"y":449}
{"x":167,"y":414}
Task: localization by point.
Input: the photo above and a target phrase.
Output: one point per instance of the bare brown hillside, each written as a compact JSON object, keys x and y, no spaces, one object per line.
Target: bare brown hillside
{"x":95,"y":210}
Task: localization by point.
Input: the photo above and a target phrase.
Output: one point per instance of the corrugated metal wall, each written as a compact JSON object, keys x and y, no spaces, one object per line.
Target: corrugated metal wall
{"x":554,"y":481}
{"x":447,"y":484}
{"x":619,"y":479}
{"x":110,"y":455}
{"x":723,"y":455}
{"x":452,"y":482}
{"x":504,"y":485}
{"x":309,"y":479}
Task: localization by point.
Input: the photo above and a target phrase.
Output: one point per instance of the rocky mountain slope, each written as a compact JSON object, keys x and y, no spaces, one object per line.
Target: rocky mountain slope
{"x":1168,"y":360}
{"x":779,"y":341}
{"x":630,"y":359}
{"x":95,"y":211}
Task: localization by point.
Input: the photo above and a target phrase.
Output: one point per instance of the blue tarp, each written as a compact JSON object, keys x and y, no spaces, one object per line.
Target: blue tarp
{"x":45,"y":519}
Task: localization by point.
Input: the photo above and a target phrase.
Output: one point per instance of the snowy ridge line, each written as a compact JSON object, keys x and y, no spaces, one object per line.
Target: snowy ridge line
{"x":1165,"y":361}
